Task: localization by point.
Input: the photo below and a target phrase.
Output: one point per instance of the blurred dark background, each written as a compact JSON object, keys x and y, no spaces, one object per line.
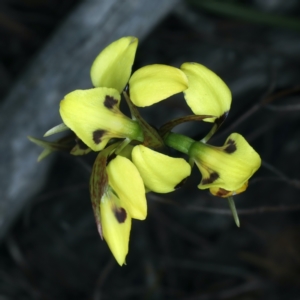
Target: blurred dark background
{"x":188,"y":247}
{"x":24,"y":28}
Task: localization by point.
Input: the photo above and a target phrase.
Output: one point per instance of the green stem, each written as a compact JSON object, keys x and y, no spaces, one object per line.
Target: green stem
{"x":138,"y":133}
{"x":210,"y":134}
{"x":233,"y":211}
{"x":122,"y":146}
{"x":178,"y":142}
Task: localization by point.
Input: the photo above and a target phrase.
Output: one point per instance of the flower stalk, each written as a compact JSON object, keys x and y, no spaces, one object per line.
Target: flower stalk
{"x":233,"y":211}
{"x":178,"y":142}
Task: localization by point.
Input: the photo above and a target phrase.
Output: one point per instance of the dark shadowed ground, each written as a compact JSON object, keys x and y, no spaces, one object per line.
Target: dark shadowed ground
{"x":188,"y":247}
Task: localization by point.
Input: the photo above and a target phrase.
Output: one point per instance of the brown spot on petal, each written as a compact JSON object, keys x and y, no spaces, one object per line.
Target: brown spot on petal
{"x":120,"y":214}
{"x":110,"y":102}
{"x":222,"y":192}
{"x":212,"y":177}
{"x":180,"y":184}
{"x":81,"y":144}
{"x":219,"y":121}
{"x":230,"y":147}
{"x":97,"y":135}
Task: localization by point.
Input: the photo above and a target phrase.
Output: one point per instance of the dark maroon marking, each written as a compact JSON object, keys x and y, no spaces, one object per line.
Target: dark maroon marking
{"x":230,"y":147}
{"x":110,"y":102}
{"x":212,"y":177}
{"x":97,"y":135}
{"x":110,"y":158}
{"x":81,"y":144}
{"x":219,"y":121}
{"x":222,"y":192}
{"x":120,"y":214}
{"x":180,"y":184}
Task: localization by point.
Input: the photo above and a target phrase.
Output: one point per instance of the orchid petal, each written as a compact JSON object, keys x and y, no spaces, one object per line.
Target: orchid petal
{"x":95,"y":117}
{"x":219,"y":192}
{"x":154,"y":83}
{"x":116,"y":225}
{"x":207,"y":93}
{"x":160,"y":173}
{"x":228,"y":167}
{"x":112,"y":67}
{"x":127,"y":183}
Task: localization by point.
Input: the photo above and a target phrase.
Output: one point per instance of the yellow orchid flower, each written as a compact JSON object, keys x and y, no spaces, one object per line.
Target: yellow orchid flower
{"x":207,"y":93}
{"x":95,"y":117}
{"x":123,"y":199}
{"x":124,"y":170}
{"x":94,"y":114}
{"x":204,"y":91}
{"x":161,"y":173}
{"x":227,"y":168}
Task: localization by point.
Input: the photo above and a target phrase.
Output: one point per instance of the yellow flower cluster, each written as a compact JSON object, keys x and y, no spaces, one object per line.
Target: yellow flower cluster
{"x":124,"y":171}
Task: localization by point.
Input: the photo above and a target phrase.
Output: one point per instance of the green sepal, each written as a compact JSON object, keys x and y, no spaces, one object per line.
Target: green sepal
{"x":44,"y":154}
{"x":63,"y":144}
{"x":163,"y":130}
{"x":56,"y":129}
{"x":99,"y":183}
{"x":151,"y":137}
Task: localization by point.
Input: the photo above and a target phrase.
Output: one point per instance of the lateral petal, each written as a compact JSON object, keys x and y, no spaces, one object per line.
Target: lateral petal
{"x":127,"y":182}
{"x":112,"y":67}
{"x":95,"y":117}
{"x":154,"y":83}
{"x":116,"y":225}
{"x":160,"y":173}
{"x":207,"y":93}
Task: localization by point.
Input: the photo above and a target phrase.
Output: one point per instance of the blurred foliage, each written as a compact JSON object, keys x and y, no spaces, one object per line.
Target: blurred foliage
{"x":244,"y":12}
{"x":24,"y":27}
